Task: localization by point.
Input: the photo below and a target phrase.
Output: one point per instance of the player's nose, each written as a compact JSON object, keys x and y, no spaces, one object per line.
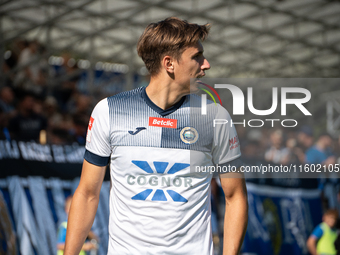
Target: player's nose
{"x":205,"y":65}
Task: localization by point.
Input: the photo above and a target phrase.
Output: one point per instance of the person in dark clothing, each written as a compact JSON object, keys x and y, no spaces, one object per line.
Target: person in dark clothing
{"x":78,"y":132}
{"x":27,"y":125}
{"x":6,"y":100}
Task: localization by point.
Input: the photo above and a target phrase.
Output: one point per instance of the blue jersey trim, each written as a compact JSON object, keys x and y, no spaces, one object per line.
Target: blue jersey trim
{"x":95,"y":159}
{"x":160,"y":110}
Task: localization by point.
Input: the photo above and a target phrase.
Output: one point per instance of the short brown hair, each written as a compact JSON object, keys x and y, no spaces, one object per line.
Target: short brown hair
{"x":168,"y":37}
{"x":331,"y":212}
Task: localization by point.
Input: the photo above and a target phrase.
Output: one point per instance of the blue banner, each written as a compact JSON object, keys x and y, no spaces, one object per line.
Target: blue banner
{"x":280,"y":220}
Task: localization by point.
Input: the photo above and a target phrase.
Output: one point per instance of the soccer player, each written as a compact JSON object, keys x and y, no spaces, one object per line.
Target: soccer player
{"x":159,"y":204}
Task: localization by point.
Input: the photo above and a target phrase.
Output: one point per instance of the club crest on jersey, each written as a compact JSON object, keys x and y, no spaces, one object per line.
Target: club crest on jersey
{"x":189,"y":135}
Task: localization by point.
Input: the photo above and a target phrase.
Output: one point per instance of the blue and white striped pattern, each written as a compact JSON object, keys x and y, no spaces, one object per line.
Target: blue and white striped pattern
{"x":129,"y":110}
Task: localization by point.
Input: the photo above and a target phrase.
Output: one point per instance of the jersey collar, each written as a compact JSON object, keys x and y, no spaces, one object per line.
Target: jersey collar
{"x":160,"y":110}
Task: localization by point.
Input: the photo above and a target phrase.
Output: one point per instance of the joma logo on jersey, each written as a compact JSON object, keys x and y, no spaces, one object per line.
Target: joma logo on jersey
{"x":161,"y":178}
{"x":137,"y":130}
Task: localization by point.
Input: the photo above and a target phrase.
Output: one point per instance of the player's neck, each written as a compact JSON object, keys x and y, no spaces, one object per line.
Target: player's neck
{"x":163,"y":94}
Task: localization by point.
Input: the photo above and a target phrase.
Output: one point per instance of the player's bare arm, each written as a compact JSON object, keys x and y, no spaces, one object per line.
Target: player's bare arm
{"x":84,"y":206}
{"x":236,"y":212}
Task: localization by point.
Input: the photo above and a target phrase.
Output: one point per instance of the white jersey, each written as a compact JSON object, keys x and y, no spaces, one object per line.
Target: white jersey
{"x":159,"y":203}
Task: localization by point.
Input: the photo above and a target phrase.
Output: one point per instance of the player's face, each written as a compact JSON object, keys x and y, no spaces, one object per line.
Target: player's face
{"x":192,"y":64}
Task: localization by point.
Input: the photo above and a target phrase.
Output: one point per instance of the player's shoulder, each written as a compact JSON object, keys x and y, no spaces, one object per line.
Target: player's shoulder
{"x":213,"y":108}
{"x":126,"y":95}
{"x":101,"y":106}
{"x":222,"y":112}
{"x":196,"y":101}
{"x":112,"y":101}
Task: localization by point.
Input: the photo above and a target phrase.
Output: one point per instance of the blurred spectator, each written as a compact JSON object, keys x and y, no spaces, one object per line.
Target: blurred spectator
{"x":59,"y":136}
{"x":251,"y":145}
{"x":7,"y":110}
{"x":80,"y":104}
{"x":251,"y":150}
{"x":17,"y":47}
{"x":304,"y":142}
{"x":4,"y":134}
{"x":32,"y":77}
{"x":296,"y":154}
{"x":321,"y":241}
{"x":79,"y":130}
{"x":330,"y":190}
{"x":8,"y":66}
{"x":51,"y":112}
{"x":305,"y":138}
{"x":321,"y":152}
{"x":27,"y":124}
{"x":7,"y":100}
{"x":62,"y":234}
{"x":277,"y":153}
{"x":68,"y":75}
{"x":38,"y":107}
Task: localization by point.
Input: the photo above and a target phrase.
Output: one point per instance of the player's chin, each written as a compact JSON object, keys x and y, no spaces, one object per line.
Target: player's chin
{"x":194,"y":88}
{"x":194,"y":85}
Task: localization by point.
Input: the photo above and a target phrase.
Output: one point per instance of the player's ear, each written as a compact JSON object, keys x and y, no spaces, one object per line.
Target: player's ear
{"x":168,"y":64}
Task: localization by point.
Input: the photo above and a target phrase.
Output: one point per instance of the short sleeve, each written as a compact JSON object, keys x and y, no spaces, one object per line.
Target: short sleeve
{"x":226,"y":146}
{"x":98,"y":149}
{"x":317,"y":232}
{"x":61,"y":234}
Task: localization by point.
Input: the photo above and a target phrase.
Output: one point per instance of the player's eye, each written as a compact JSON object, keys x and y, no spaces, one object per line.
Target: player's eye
{"x":197,"y":56}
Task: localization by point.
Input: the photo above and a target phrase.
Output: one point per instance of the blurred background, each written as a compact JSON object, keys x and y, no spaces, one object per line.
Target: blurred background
{"x":59,"y":58}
